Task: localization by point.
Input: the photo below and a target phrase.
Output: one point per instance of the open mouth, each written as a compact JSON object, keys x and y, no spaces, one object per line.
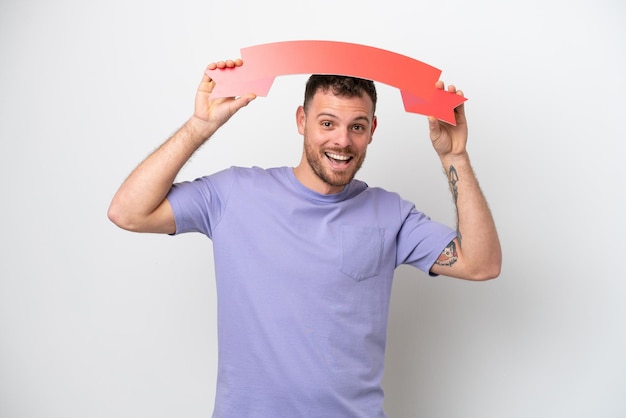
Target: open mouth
{"x":338,"y":159}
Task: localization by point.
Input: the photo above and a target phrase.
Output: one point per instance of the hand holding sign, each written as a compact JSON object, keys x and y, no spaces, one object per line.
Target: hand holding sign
{"x":263,"y":63}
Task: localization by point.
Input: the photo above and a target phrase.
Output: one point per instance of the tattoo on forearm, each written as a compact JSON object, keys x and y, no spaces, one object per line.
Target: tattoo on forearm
{"x":453,"y":178}
{"x":449,"y":255}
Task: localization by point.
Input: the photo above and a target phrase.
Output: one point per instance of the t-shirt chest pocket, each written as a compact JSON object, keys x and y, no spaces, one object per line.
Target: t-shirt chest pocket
{"x":361,"y":251}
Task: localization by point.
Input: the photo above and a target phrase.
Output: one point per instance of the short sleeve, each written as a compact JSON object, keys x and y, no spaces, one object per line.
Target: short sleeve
{"x":420,"y":239}
{"x":199,"y":205}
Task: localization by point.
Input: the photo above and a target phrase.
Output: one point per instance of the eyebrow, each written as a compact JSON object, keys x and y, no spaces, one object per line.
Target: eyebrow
{"x":358,"y":118}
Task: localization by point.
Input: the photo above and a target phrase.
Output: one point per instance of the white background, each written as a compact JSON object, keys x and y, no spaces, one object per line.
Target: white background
{"x":99,"y":322}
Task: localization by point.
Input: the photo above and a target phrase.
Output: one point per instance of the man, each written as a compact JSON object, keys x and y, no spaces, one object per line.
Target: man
{"x":304,"y":257}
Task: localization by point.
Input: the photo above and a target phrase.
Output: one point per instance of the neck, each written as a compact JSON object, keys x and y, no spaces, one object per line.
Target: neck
{"x":307,"y":177}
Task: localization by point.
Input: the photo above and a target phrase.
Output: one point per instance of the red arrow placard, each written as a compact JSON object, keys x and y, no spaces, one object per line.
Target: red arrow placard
{"x":263,"y":63}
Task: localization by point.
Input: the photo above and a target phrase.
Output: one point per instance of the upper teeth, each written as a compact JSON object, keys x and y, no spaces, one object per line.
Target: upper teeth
{"x":337,"y":156}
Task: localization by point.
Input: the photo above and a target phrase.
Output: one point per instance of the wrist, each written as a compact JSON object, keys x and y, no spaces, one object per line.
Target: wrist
{"x":199,"y":130}
{"x":457,"y":160}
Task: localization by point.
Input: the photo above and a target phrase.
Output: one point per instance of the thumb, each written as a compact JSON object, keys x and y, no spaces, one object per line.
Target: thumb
{"x":244,"y":100}
{"x":434,"y":127}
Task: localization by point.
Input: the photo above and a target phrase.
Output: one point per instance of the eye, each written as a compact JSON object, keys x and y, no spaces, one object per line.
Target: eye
{"x":326,"y":124}
{"x":358,"y":127}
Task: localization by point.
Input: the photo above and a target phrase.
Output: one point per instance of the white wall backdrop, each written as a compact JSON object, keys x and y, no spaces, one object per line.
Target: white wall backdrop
{"x":99,"y":322}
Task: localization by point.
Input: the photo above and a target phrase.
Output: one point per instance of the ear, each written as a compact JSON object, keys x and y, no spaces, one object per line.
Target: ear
{"x":374,"y":124}
{"x":300,"y":119}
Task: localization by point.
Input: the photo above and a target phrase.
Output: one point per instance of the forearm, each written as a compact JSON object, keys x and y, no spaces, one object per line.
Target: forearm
{"x":147,"y":186}
{"x":477,"y":236}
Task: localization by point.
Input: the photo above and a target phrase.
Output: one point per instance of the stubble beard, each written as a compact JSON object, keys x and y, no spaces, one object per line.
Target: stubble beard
{"x":328,"y":176}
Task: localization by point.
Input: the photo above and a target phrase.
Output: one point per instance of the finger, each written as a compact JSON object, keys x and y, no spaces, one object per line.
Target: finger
{"x":226,"y":64}
{"x":206,"y":78}
{"x":434,"y":127}
{"x":439,"y":84}
{"x":460,"y":110}
{"x":234,"y":63}
{"x":206,"y":84}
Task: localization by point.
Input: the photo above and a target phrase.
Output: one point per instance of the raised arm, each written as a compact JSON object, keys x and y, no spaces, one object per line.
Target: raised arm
{"x":475,"y":254}
{"x":140,"y":203}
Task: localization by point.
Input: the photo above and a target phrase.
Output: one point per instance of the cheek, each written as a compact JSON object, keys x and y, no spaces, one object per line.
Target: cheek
{"x":362,"y":144}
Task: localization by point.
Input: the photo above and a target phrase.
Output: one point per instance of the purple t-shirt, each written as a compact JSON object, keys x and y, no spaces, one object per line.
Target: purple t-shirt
{"x":303,"y":287}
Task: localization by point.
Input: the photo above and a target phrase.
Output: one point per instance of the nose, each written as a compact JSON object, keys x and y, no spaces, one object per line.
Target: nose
{"x":343,"y":139}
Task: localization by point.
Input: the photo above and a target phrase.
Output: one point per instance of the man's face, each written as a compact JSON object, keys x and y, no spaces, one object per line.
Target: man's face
{"x":337,"y":131}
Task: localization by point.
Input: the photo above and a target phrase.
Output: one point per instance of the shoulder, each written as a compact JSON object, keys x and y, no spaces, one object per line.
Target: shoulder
{"x":250,"y":180}
{"x":377,"y":194}
{"x":258,"y":177}
{"x":391,"y":203}
{"x":235,"y":173}
{"x":254,"y":172}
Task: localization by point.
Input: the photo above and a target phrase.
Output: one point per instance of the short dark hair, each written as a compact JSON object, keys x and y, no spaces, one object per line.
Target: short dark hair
{"x":340,"y":86}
